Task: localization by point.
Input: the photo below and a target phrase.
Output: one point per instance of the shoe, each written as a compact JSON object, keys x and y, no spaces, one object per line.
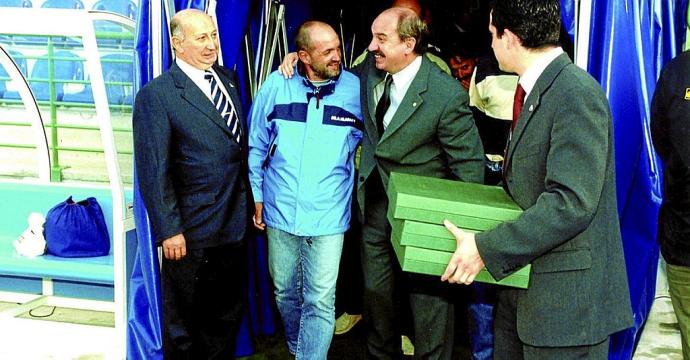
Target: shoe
{"x":407,"y":346}
{"x":346,"y":322}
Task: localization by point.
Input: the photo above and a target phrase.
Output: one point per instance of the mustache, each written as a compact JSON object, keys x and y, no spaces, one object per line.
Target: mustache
{"x":379,"y":53}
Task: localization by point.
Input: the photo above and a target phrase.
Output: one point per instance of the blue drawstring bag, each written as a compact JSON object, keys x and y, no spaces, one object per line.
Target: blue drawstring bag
{"x":77,"y":229}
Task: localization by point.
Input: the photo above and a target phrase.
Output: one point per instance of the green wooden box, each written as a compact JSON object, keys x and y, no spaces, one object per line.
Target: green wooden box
{"x":434,"y":262}
{"x":422,"y":235}
{"x":467,"y":205}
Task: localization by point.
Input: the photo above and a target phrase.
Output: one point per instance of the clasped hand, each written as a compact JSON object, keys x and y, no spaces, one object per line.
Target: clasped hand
{"x":466,"y":262}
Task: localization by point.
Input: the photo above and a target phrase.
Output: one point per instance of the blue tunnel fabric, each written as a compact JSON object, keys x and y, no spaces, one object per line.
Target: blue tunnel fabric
{"x":629,"y":43}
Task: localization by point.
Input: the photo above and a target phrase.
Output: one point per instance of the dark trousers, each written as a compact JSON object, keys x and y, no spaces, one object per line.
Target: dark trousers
{"x":385,"y":285}
{"x":203,"y":302}
{"x":507,"y":344}
{"x":348,"y":293}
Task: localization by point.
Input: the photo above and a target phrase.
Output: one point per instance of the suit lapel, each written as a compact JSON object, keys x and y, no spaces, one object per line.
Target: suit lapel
{"x":374,"y":76}
{"x":228,"y":80}
{"x":411,"y":101}
{"x":196,"y":98}
{"x":534,"y":99}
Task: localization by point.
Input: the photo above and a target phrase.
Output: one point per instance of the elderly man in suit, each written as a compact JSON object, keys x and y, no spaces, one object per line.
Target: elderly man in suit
{"x":190,"y":151}
{"x":417,"y":121}
{"x":560,"y":170}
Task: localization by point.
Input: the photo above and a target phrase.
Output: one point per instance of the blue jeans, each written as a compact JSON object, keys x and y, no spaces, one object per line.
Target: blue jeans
{"x":304,"y":271}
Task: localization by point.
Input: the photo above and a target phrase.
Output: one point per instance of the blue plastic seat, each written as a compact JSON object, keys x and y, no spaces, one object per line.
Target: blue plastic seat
{"x":20,"y":60}
{"x":69,"y":67}
{"x":16,"y":3}
{"x":121,"y":71}
{"x":116,"y":68}
{"x":124,"y":40}
{"x":123,"y":7}
{"x":63,"y":4}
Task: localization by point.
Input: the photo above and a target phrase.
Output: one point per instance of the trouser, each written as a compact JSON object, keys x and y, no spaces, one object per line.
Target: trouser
{"x":384,"y":283}
{"x":679,"y":286}
{"x":508,"y":346}
{"x":348,"y":292}
{"x":204,"y":295}
{"x":304,"y":271}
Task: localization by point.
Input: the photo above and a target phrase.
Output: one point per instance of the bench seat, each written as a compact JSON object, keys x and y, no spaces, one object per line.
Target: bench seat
{"x":78,"y":276}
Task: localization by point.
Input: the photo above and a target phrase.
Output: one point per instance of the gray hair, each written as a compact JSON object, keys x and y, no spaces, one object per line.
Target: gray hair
{"x":411,"y":26}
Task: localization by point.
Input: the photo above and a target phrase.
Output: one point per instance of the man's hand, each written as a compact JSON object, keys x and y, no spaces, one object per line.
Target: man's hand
{"x":175,"y":248}
{"x":465,"y":263}
{"x":288,"y":65}
{"x":258,"y":216}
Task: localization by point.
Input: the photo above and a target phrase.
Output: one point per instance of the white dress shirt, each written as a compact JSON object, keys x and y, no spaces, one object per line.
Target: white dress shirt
{"x":401,"y":82}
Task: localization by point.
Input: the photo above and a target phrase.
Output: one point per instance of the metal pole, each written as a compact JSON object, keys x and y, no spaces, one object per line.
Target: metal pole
{"x":55,"y":170}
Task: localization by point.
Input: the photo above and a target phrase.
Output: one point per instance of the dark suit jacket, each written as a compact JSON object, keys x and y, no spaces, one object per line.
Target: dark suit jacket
{"x":562,"y":173}
{"x":431,"y":134}
{"x":192,"y":175}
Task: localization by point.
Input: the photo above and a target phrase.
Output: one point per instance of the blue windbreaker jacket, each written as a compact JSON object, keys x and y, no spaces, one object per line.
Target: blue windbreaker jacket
{"x":302,"y":142}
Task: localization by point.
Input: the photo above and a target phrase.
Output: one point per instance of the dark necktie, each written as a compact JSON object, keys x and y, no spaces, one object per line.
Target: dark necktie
{"x":225,"y":107}
{"x":518,"y":101}
{"x":384,"y":103}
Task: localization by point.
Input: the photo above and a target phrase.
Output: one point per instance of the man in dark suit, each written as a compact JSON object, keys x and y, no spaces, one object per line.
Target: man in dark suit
{"x":560,"y":170}
{"x":417,"y":121}
{"x":190,"y":152}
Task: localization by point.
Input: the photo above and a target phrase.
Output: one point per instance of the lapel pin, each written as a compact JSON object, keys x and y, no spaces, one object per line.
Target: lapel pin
{"x":531,"y":107}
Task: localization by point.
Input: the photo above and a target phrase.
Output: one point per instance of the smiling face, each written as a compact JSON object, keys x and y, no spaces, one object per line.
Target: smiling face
{"x":322,"y":58}
{"x":197,"y":44}
{"x":392,"y":53}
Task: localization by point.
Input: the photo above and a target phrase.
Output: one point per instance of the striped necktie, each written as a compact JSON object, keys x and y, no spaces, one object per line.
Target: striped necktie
{"x":225,"y":107}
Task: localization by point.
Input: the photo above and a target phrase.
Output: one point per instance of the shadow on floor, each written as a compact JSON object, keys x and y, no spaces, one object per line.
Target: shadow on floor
{"x":348,"y":346}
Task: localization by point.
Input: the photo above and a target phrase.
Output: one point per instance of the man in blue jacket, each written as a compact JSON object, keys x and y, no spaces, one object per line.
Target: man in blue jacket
{"x":302,"y":139}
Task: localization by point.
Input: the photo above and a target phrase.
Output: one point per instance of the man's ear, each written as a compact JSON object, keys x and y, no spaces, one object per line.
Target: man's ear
{"x":177,"y":44}
{"x":304,"y":57}
{"x":410,"y":43}
{"x":512,"y":39}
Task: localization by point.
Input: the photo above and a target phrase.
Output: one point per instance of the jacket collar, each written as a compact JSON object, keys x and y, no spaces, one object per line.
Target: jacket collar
{"x":533,"y":100}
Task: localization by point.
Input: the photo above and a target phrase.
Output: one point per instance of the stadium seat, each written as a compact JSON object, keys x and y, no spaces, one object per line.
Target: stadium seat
{"x":70,"y":67}
{"x":4,"y":76}
{"x":118,"y":72}
{"x":116,"y":68}
{"x":124,"y":38}
{"x":123,"y":7}
{"x":16,"y":3}
{"x":63,"y":4}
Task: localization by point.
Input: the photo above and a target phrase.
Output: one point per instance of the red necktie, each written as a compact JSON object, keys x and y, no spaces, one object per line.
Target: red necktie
{"x":518,"y":100}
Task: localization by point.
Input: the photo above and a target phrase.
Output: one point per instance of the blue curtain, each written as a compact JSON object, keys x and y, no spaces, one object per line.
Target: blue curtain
{"x":568,"y":17}
{"x":144,"y":339}
{"x":630,"y":40}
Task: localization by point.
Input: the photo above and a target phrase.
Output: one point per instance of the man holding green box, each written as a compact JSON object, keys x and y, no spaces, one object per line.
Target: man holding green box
{"x":417,"y":121}
{"x":560,"y":170}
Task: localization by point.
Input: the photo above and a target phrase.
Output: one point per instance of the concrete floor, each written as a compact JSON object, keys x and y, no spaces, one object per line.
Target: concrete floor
{"x":660,"y":338}
{"x":57,"y":333}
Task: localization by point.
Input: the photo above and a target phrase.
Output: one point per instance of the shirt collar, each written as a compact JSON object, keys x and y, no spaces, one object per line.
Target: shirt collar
{"x":532,"y":74}
{"x":403,"y":78}
{"x":195,"y":74}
